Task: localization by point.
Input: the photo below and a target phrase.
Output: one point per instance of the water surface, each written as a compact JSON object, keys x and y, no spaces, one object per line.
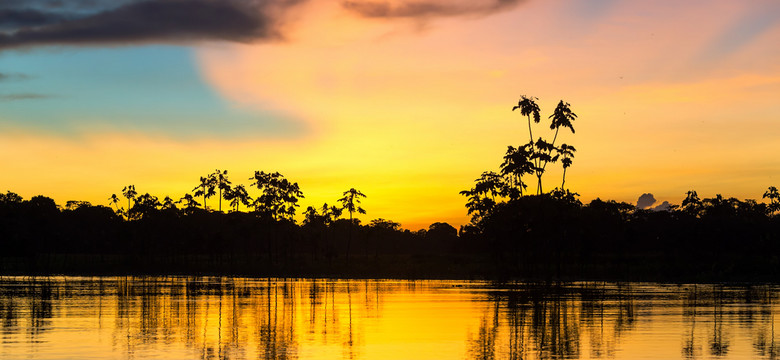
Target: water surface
{"x":236,"y":318}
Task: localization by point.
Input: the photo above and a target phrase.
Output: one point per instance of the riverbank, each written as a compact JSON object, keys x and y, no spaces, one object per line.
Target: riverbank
{"x":444,"y":267}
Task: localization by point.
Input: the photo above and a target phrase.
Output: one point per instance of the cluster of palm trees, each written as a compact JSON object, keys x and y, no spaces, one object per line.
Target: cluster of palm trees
{"x":278,"y":198}
{"x":531,"y":158}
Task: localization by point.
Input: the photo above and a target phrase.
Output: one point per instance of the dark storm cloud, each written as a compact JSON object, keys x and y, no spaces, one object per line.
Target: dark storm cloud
{"x":98,"y":22}
{"x":11,"y":19}
{"x":427,"y":8}
{"x":645,"y":201}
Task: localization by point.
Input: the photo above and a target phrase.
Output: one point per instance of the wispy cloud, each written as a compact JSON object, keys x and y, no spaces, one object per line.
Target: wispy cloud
{"x":27,"y":96}
{"x":427,"y":8}
{"x":36,"y":23}
{"x":13,"y":76}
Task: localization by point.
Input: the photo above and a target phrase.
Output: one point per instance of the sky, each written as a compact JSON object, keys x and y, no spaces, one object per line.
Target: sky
{"x":406,"y":100}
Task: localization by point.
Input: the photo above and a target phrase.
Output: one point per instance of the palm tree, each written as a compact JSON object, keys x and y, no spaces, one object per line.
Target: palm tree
{"x":114,"y":200}
{"x":205,"y":188}
{"x":130,"y":193}
{"x":351,"y":203}
{"x":562,"y":117}
{"x":238,"y":196}
{"x":567,"y":152}
{"x":222,"y":183}
{"x":528,"y":107}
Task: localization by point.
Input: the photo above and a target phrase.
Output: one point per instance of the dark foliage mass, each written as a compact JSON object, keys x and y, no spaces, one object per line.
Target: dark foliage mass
{"x":533,"y":237}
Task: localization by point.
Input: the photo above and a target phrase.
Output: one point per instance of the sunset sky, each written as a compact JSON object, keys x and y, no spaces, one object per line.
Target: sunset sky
{"x":407,"y":100}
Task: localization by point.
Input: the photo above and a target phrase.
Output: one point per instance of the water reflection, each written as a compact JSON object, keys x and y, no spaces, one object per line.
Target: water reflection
{"x":235,"y":318}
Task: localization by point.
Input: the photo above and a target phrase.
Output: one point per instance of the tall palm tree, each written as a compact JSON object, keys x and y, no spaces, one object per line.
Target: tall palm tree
{"x":351,"y":202}
{"x":562,"y":117}
{"x":130,"y":193}
{"x":528,"y":108}
{"x":567,"y":152}
{"x":222,"y":184}
{"x":114,"y":200}
{"x":205,"y":188}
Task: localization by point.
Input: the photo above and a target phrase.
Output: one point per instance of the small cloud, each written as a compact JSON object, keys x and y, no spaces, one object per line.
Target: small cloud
{"x":645,"y":201}
{"x":13,"y":76}
{"x":665,"y":206}
{"x":15,"y":97}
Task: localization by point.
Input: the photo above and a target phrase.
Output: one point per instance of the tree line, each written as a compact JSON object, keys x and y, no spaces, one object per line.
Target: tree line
{"x":512,"y":232}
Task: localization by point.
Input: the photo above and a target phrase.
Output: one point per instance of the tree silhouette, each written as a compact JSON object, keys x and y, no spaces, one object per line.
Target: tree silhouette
{"x":114,"y":200}
{"x":222,"y":184}
{"x":168,"y":204}
{"x":482,"y":197}
{"x":130,"y":193}
{"x":541,"y":152}
{"x":528,"y":107}
{"x":189,"y":202}
{"x":206,"y":188}
{"x":543,"y":155}
{"x":567,"y":152}
{"x":517,"y":162}
{"x":279,"y":196}
{"x":145,"y":205}
{"x":562,"y":117}
{"x":237,"y":196}
{"x":692,"y":204}
{"x":774,"y":200}
{"x":351,"y":203}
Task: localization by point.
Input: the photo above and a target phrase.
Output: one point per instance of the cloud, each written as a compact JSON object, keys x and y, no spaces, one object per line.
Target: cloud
{"x":427,"y":8}
{"x":645,"y":201}
{"x":138,"y":21}
{"x":13,"y":76}
{"x":665,"y":206}
{"x":29,"y":96}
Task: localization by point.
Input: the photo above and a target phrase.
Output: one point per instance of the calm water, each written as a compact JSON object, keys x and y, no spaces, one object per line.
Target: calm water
{"x":232,"y":318}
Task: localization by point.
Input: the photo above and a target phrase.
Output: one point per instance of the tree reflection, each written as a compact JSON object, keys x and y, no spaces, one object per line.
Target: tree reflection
{"x":228,"y":318}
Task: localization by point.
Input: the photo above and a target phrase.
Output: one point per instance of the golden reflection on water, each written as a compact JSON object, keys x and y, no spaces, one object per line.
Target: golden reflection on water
{"x":234,"y":318}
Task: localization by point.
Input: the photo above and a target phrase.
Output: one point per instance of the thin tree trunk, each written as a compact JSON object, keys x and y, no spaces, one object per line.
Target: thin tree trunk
{"x":564,"y":178}
{"x":349,"y":238}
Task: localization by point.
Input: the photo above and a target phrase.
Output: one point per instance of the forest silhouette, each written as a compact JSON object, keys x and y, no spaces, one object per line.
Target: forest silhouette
{"x":512,"y":234}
